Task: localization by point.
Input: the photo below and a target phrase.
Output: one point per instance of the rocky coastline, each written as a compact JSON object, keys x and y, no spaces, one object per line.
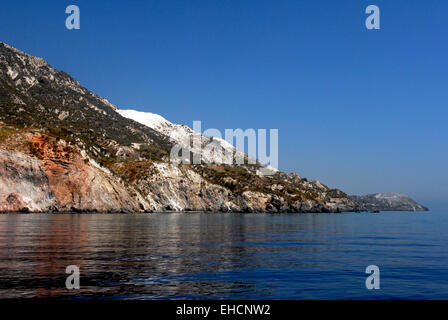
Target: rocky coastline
{"x":65,"y":149}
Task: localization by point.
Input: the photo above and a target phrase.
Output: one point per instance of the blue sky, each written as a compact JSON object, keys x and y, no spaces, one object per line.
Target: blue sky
{"x":361,"y":110}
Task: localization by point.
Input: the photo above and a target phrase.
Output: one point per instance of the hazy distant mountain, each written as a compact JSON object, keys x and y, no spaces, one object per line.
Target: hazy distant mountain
{"x":64,"y":148}
{"x":388,"y":202}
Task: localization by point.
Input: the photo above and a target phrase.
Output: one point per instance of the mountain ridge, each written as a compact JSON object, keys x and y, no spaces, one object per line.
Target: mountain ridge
{"x":79,"y":153}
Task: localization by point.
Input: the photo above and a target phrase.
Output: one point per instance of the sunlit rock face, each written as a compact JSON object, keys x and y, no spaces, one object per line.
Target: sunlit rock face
{"x":23,"y":184}
{"x":59,"y":180}
{"x":64,"y":148}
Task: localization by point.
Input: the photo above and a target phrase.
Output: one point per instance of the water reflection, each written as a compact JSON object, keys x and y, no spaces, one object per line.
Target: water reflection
{"x":194,"y":255}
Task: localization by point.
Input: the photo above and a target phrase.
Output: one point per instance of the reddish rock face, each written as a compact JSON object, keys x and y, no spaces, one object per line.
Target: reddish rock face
{"x":57,"y":178}
{"x":68,"y":175}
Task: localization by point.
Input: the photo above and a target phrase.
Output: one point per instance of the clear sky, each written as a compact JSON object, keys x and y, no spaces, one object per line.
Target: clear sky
{"x":361,"y":110}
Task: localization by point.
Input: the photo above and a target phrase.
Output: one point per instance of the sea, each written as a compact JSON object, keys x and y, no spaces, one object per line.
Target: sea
{"x":224,"y":256}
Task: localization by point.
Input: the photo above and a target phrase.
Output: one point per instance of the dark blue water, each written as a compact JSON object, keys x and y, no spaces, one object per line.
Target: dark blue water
{"x":240,"y":256}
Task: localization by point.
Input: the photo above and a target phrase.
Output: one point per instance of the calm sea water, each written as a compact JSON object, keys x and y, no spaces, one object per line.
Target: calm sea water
{"x":231,"y":256}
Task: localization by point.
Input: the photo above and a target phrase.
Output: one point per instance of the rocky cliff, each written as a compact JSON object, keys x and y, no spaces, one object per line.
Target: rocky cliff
{"x":43,"y":173}
{"x":64,"y":148}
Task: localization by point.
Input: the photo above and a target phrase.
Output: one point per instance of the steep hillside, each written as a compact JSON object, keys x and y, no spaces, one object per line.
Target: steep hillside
{"x":63,"y":148}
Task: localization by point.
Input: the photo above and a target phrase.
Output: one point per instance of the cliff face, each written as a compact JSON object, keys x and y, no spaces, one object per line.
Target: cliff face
{"x":63,"y":148}
{"x":23,"y":184}
{"x":41,"y":173}
{"x":57,"y":178}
